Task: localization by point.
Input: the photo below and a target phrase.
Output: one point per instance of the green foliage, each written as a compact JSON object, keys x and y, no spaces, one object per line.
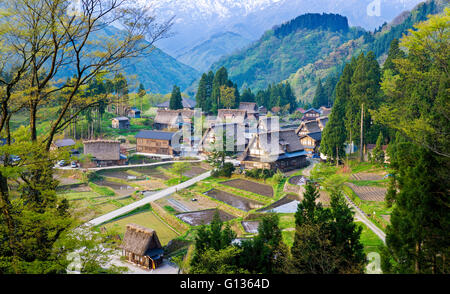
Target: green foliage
{"x":326,"y":239}
{"x":417,"y":102}
{"x":102,"y":190}
{"x":266,"y":253}
{"x":176,"y":99}
{"x":218,"y":262}
{"x":259,"y":173}
{"x":417,"y":238}
{"x":226,"y":170}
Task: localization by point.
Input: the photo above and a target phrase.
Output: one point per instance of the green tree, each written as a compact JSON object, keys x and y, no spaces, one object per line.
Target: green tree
{"x":320,"y":97}
{"x":417,"y":238}
{"x":220,"y":79}
{"x":417,"y":102}
{"x":218,"y":262}
{"x":395,"y":53}
{"x":326,"y":239}
{"x":228,"y":96}
{"x":180,"y":168}
{"x":266,"y":253}
{"x":334,"y":134}
{"x":176,"y":101}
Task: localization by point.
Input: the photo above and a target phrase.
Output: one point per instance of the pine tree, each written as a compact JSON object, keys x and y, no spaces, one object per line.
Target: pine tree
{"x":320,"y":97}
{"x":346,"y":236}
{"x":202,"y":95}
{"x":176,"y":101}
{"x":417,"y":238}
{"x":394,"y":53}
{"x":220,"y":79}
{"x":247,"y":96}
{"x":334,"y":134}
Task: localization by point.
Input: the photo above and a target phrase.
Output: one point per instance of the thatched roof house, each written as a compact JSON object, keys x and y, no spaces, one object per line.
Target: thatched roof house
{"x":262,"y":151}
{"x":307,"y":127}
{"x":238,"y":116}
{"x":172,"y":119}
{"x":141,"y":246}
{"x":251,"y":108}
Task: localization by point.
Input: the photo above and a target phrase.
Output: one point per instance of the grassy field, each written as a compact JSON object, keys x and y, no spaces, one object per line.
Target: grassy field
{"x":370,"y":241}
{"x":148,"y":220}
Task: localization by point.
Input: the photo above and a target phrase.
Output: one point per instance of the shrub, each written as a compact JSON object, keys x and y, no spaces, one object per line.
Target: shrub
{"x":225,"y":171}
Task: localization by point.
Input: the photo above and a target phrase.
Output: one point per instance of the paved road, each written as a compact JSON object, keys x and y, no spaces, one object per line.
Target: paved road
{"x":135,"y":165}
{"x":142,"y":202}
{"x":361,"y":216}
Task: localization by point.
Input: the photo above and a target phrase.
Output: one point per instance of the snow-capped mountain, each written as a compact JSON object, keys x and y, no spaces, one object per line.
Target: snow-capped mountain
{"x":197,"y":20}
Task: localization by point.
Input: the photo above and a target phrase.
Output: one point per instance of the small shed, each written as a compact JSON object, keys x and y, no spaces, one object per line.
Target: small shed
{"x":134,"y":113}
{"x":142,"y":246}
{"x":120,"y":123}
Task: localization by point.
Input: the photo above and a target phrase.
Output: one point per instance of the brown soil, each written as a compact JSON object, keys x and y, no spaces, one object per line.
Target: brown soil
{"x":369,"y":193}
{"x":366,"y":177}
{"x":197,"y":218}
{"x":250,"y":186}
{"x":235,"y":201}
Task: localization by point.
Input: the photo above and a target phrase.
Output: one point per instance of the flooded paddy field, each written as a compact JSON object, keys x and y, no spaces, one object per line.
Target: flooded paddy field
{"x":250,"y":226}
{"x":197,"y":218}
{"x":287,"y":204}
{"x":235,"y":201}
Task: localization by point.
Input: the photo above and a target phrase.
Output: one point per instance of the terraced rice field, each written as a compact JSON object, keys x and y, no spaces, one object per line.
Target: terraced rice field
{"x":196,"y":218}
{"x":366,"y":177}
{"x":250,"y":186}
{"x":287,"y":200}
{"x":146,"y":219}
{"x":235,"y":201}
{"x":250,"y":226}
{"x":369,"y":193}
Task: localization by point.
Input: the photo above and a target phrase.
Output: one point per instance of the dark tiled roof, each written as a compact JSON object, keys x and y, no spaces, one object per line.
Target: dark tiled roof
{"x":155,"y":135}
{"x":64,"y":143}
{"x":316,"y":136}
{"x":122,"y":118}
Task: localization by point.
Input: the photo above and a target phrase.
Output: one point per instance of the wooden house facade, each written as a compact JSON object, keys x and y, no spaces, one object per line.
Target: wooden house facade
{"x":155,"y":142}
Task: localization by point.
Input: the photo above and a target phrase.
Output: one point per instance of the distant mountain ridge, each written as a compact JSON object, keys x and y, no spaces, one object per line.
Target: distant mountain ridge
{"x":206,"y":53}
{"x":157,"y":71}
{"x":286,"y":48}
{"x":292,"y":52}
{"x":197,"y":21}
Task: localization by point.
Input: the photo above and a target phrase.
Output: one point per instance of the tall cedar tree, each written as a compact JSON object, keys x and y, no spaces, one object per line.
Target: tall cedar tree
{"x":176,"y":101}
{"x":220,"y":79}
{"x":326,"y":239}
{"x":266,"y":253}
{"x":320,"y":97}
{"x":395,"y":53}
{"x":334,"y":134}
{"x":417,"y":238}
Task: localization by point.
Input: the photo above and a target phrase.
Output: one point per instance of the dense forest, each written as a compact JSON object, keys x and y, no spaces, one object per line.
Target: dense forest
{"x":312,"y":21}
{"x":303,"y":53}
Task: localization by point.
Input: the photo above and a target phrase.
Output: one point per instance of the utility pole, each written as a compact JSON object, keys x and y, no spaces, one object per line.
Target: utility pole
{"x":361,"y":151}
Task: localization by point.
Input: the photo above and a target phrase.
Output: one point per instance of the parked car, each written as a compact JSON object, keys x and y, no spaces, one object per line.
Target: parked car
{"x":62,"y":163}
{"x":73,"y":164}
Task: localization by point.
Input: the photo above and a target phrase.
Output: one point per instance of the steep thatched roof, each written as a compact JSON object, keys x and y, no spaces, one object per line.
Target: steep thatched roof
{"x":232,"y":115}
{"x":139,"y":240}
{"x":307,"y":127}
{"x":250,"y":107}
{"x":167,"y":117}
